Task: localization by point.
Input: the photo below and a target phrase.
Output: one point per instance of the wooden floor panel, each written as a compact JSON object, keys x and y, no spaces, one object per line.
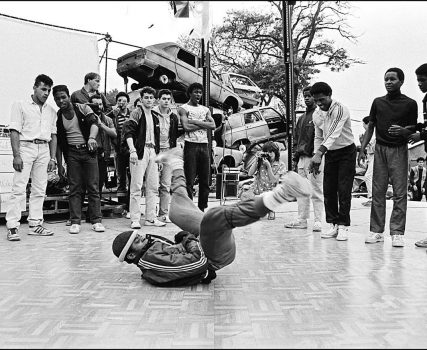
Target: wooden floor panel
{"x":286,"y":289}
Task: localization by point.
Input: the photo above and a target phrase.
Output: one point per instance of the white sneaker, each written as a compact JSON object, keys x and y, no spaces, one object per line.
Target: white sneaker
{"x":154,"y":222}
{"x":397,"y":241}
{"x":164,"y":218}
{"x":135,"y":225}
{"x":331,"y":233}
{"x":297,"y":224}
{"x":374,"y":237}
{"x":74,"y":228}
{"x":342,"y":233}
{"x":128,"y":216}
{"x":317,"y":226}
{"x":98,"y":227}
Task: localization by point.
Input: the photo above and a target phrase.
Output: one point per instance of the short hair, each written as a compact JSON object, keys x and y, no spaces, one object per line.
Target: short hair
{"x":122,"y":94}
{"x":421,"y":70}
{"x":307,"y":88}
{"x":366,"y":119}
{"x":194,"y":86}
{"x":398,"y":71}
{"x":91,"y":76}
{"x":270,"y":146}
{"x":147,"y":90}
{"x":95,"y":97}
{"x":321,"y":88}
{"x":164,"y":92}
{"x":43,"y":78}
{"x":59,"y":88}
{"x":420,"y":158}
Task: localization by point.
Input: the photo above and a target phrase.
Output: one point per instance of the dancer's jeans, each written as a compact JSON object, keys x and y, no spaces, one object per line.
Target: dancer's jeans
{"x":215,"y":227}
{"x":82,"y":170}
{"x":390,"y":163}
{"x":35,"y":158}
{"x":316,"y":182}
{"x":148,"y":168}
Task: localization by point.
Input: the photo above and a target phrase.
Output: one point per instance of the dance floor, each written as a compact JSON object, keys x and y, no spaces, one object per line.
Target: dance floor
{"x":287,"y":288}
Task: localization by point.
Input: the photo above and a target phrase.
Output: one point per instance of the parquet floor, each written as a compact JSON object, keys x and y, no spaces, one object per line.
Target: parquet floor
{"x":286,"y":289}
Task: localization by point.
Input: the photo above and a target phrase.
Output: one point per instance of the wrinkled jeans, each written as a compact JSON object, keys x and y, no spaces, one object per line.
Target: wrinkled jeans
{"x":164,"y":187}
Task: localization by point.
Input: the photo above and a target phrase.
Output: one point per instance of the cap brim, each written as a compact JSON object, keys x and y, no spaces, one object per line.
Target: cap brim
{"x":125,"y":249}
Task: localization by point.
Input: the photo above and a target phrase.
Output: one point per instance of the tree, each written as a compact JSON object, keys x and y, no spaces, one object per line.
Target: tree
{"x":252,"y":43}
{"x":111,"y":96}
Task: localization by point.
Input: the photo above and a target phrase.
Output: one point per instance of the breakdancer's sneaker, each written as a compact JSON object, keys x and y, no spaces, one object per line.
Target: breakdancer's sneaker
{"x":172,"y":157}
{"x":291,"y":187}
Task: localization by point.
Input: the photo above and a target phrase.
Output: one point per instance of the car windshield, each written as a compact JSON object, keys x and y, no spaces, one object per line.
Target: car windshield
{"x":241,"y":80}
{"x":269,"y":113}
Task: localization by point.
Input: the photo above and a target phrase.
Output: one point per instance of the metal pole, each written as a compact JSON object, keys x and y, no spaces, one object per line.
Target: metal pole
{"x":106,"y":63}
{"x":289,"y":70}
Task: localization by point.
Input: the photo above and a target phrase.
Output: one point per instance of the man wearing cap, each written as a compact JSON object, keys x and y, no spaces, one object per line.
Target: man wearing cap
{"x":33,"y":139}
{"x":206,"y":243}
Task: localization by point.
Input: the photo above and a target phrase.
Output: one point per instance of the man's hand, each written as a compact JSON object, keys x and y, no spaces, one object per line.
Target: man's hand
{"x":133,"y":157}
{"x":415,"y":137}
{"x":415,"y":188}
{"x":361,"y":157}
{"x":315,"y":164}
{"x":18,"y":164}
{"x":92,"y":144}
{"x":397,"y":130}
{"x":61,"y":171}
{"x":51,"y":166}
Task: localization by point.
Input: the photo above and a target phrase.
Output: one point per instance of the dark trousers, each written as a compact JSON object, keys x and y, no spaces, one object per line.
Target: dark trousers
{"x":102,"y":171}
{"x":82,"y":170}
{"x":197,"y":162}
{"x":122,"y":162}
{"x":339,"y":171}
{"x":390,"y":163}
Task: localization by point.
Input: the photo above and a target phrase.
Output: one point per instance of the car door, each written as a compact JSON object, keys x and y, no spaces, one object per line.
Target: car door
{"x":256,"y":127}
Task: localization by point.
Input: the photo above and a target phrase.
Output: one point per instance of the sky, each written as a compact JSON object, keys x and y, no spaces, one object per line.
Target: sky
{"x":391,"y":34}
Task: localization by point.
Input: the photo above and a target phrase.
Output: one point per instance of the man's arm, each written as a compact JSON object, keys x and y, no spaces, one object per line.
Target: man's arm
{"x":366,"y":139}
{"x":18,"y":164}
{"x":183,"y":114}
{"x":61,"y":170}
{"x":208,"y":123}
{"x":52,"y":149}
{"x":109,"y":128}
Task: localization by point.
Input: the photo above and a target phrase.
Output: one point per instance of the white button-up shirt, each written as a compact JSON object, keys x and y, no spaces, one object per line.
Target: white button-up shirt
{"x":31,"y":123}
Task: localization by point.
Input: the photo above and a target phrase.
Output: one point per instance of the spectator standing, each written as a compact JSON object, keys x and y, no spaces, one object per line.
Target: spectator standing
{"x":142,"y":135}
{"x":421,"y":128}
{"x":370,"y":151}
{"x":197,"y":121}
{"x":33,"y":139}
{"x":389,"y":115}
{"x":334,"y":139}
{"x":304,"y":150}
{"x":91,"y":85}
{"x":168,"y":122}
{"x":77,"y":131}
{"x":417,"y":179}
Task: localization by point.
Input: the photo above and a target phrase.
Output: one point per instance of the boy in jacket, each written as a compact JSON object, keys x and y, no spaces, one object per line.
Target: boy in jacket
{"x":206,"y":242}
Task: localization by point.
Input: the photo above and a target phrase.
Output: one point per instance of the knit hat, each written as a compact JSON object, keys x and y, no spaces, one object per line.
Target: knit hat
{"x":122,"y":243}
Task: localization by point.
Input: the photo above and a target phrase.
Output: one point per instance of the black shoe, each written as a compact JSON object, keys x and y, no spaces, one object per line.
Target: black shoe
{"x":211,"y":276}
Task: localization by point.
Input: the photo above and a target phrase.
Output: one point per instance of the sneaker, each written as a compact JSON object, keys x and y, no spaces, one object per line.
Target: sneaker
{"x":12,"y":234}
{"x":128,"y":216}
{"x":98,"y":227}
{"x":154,"y":222}
{"x":135,"y":225}
{"x":374,"y":237}
{"x":39,"y":230}
{"x":293,"y":186}
{"x":397,"y":241}
{"x":367,"y":203}
{"x":164,"y":218}
{"x":342,"y":233}
{"x":297,"y":224}
{"x":331,"y":233}
{"x":271,"y":215}
{"x":74,"y":229}
{"x":317,"y":226}
{"x":422,"y":243}
{"x":68,"y":222}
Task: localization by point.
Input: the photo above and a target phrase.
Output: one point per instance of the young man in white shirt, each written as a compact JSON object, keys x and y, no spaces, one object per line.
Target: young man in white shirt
{"x":33,"y":138}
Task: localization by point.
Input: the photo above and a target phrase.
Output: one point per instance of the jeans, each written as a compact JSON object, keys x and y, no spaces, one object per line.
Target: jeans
{"x":317,"y":194}
{"x":122,"y":162}
{"x":215,"y":227}
{"x":148,"y":168}
{"x":102,"y":172}
{"x":164,"y":187}
{"x":340,"y":168}
{"x":35,"y":158}
{"x":390,"y":163}
{"x":82,"y":170}
{"x":197,"y":162}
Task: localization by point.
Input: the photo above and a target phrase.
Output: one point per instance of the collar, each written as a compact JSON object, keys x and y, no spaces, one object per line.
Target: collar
{"x":31,"y":102}
{"x":393,"y":95}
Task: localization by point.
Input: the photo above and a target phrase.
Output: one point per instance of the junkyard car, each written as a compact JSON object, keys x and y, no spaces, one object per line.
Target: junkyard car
{"x":248,"y":91}
{"x":168,"y":65}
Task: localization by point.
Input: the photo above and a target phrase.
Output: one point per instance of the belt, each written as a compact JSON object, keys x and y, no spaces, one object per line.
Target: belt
{"x":83,"y":145}
{"x":150,"y":145}
{"x":36,"y":141}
